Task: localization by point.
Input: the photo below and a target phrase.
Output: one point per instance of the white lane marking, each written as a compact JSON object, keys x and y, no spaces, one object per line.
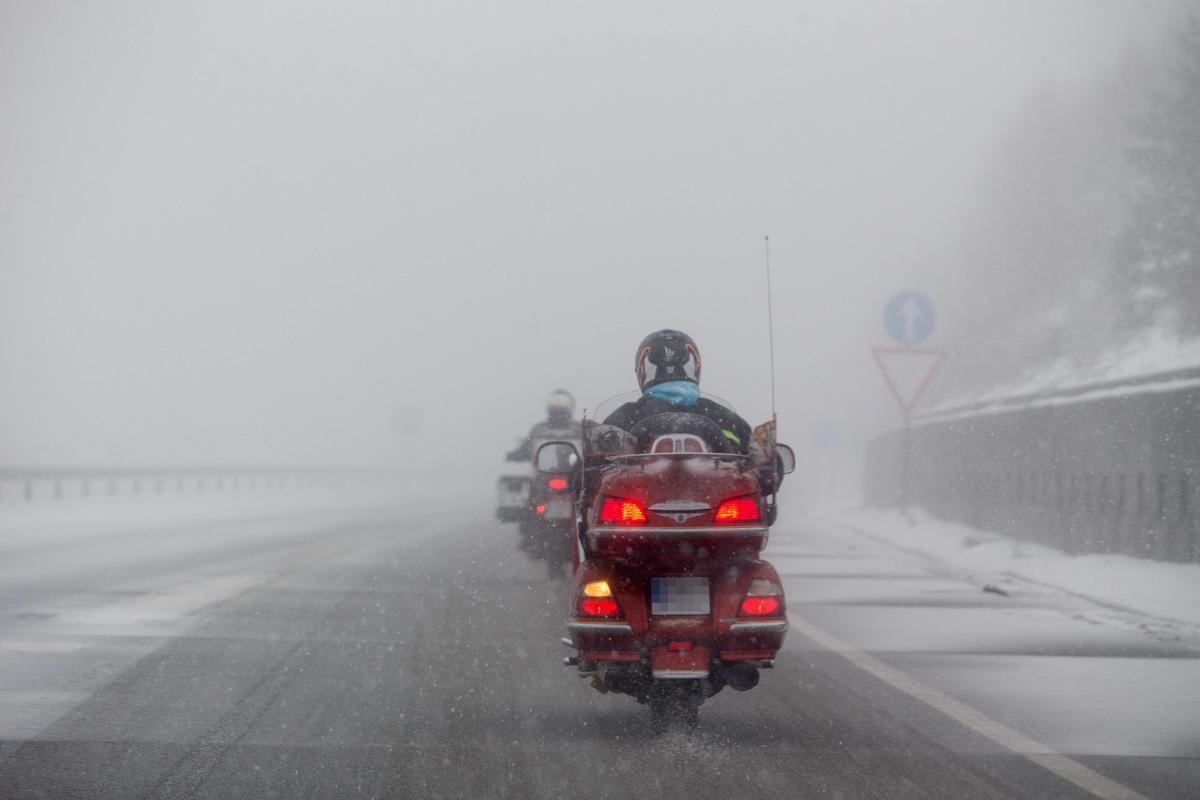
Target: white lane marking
{"x":1042,"y":755}
{"x":166,"y":605}
{"x":8,"y":646}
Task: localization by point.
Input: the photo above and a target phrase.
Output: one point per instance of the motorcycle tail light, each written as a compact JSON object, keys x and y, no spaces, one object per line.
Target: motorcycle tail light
{"x":738,"y":509}
{"x":596,"y":600}
{"x":540,"y":508}
{"x":622,"y":511}
{"x":557,"y":484}
{"x":760,"y":606}
{"x":764,"y":598}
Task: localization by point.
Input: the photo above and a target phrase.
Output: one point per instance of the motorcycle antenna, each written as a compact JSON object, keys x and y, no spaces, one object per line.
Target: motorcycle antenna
{"x":770,"y":326}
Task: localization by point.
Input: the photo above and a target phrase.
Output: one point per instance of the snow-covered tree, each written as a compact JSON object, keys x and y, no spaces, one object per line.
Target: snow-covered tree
{"x":1157,"y":259}
{"x":1033,"y":274}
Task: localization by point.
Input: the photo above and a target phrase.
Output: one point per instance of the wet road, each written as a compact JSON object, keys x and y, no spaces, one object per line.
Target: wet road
{"x":411,"y":652}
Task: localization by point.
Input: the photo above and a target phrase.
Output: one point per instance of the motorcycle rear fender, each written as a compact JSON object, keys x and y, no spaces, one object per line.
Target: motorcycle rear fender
{"x":668,"y":664}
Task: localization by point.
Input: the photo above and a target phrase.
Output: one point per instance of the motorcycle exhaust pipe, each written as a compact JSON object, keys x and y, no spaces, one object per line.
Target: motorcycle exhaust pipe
{"x":741,"y":676}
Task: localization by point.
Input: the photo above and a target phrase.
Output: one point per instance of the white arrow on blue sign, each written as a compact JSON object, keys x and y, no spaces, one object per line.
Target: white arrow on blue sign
{"x":908,"y":318}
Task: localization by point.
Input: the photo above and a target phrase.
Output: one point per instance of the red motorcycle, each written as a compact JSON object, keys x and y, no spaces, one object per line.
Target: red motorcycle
{"x":671,"y":603}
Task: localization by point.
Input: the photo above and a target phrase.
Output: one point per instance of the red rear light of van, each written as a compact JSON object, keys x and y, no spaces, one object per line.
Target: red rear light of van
{"x":622,"y":511}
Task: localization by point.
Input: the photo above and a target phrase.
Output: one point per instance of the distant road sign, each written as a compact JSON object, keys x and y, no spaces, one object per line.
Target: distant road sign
{"x":907,"y":371}
{"x":908,"y":318}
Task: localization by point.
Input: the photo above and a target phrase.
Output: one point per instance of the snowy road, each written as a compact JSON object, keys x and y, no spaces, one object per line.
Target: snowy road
{"x":412,"y":652}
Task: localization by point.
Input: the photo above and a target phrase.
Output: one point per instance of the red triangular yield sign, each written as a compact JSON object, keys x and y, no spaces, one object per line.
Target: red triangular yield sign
{"x":908,"y":371}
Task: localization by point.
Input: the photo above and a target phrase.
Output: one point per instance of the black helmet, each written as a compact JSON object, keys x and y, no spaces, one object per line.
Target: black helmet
{"x":667,"y":355}
{"x":560,"y":406}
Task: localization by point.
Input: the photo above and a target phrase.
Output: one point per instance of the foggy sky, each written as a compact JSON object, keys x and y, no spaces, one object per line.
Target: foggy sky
{"x":256,"y":233}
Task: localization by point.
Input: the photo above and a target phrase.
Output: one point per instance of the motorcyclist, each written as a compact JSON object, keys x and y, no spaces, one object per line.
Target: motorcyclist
{"x":667,"y":365}
{"x":559,"y":423}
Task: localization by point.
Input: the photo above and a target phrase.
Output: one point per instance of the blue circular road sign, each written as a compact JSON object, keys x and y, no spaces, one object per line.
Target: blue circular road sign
{"x":908,"y":318}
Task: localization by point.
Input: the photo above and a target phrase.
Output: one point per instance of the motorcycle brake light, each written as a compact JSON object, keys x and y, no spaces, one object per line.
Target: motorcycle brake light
{"x":622,"y":511}
{"x":737,"y":509}
{"x":763,"y":598}
{"x":759,"y":606}
{"x":599,"y":607}
{"x":558,"y":484}
{"x":541,"y":508}
{"x":596,"y":600}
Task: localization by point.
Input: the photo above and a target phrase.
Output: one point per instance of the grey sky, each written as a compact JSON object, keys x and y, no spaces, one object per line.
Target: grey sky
{"x":235,"y":232}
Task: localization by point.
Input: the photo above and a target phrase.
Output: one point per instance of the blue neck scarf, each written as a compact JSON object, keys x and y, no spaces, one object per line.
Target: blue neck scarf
{"x":675,"y":393}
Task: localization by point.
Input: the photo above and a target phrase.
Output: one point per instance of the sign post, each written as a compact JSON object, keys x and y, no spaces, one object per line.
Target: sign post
{"x":908,"y":319}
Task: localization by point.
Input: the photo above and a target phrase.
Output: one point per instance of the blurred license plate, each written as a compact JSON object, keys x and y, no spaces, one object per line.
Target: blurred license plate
{"x":559,"y":508}
{"x":678,"y":596}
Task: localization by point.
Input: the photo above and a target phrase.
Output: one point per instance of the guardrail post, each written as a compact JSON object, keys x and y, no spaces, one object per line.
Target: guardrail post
{"x":1120,"y":522}
{"x":1193,"y":518}
{"x":1160,"y":516}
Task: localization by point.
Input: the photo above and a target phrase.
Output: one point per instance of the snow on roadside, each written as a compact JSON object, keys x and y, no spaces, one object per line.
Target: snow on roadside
{"x":1154,"y":352}
{"x":1156,"y":588}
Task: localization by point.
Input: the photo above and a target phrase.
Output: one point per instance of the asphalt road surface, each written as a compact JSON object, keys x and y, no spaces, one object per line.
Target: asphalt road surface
{"x":412,"y":651}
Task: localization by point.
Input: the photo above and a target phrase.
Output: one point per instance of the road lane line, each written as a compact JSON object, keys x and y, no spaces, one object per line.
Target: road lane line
{"x":1042,"y":755}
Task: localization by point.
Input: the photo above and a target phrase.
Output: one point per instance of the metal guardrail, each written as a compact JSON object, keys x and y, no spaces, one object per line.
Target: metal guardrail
{"x":30,"y":483}
{"x":1107,"y":472}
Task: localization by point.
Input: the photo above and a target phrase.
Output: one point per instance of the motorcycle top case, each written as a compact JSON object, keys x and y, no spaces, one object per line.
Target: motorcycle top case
{"x":679,"y":499}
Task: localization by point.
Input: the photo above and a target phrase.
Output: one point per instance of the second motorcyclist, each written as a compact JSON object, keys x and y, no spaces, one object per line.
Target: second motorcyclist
{"x":559,"y":423}
{"x":547,"y":529}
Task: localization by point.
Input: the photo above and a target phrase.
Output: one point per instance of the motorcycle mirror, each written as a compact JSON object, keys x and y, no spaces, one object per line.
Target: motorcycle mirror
{"x":787,"y":456}
{"x":513,"y":455}
{"x":556,"y":457}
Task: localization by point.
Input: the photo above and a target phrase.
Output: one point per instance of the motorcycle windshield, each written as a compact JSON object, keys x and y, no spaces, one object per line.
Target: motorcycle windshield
{"x":606,"y":407}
